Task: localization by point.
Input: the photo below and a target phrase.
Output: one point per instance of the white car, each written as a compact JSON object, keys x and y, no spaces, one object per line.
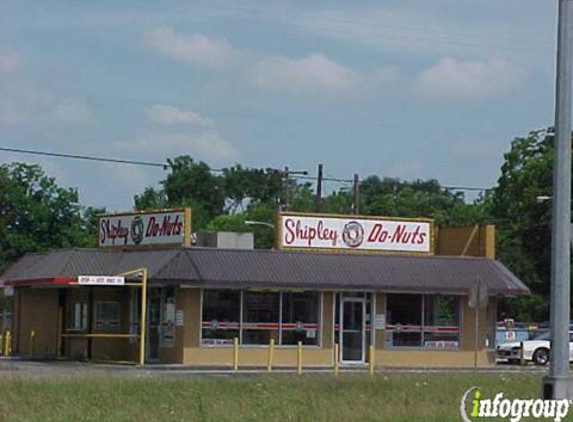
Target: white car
{"x":536,"y":350}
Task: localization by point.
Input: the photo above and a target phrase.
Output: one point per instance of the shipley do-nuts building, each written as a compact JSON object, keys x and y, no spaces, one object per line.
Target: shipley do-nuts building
{"x":412,"y":292}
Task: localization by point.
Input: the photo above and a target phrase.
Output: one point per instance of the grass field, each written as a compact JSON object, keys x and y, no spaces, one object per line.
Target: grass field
{"x":392,"y":397}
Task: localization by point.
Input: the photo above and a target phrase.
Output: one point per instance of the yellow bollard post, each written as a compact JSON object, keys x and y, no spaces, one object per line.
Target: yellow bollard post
{"x":32,"y":338}
{"x":60,"y":321}
{"x":7,"y":343}
{"x":299,"y":358}
{"x":235,"y":354}
{"x":336,"y":360}
{"x":371,"y":360}
{"x":270,"y":356}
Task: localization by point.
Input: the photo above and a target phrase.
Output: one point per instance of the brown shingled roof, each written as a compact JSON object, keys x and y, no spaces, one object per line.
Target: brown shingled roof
{"x":258,"y":268}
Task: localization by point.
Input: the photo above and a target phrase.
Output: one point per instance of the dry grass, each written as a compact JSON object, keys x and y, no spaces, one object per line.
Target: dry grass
{"x":395,"y":397}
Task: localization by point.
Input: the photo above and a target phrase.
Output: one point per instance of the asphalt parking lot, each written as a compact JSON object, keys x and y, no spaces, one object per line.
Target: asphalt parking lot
{"x":14,"y":367}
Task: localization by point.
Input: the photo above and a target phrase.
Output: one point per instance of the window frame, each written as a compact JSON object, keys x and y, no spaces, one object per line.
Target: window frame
{"x":423,"y":323}
{"x":278,"y":343}
{"x":84,"y":312}
{"x":201,"y":320}
{"x":106,"y":326}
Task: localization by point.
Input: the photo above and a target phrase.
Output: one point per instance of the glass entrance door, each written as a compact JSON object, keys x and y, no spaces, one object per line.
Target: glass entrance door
{"x":153,"y":320}
{"x":352,"y":316}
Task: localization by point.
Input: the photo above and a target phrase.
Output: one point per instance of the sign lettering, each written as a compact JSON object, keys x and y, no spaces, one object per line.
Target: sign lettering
{"x":366,"y":234}
{"x":101,"y":280}
{"x":144,"y":229}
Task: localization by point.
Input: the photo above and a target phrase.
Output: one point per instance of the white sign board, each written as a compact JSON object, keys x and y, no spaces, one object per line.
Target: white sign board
{"x":8,"y":291}
{"x":349,"y":233}
{"x":170,"y":227}
{"x":101,"y":280}
{"x":179,"y":318}
{"x":380,"y":322}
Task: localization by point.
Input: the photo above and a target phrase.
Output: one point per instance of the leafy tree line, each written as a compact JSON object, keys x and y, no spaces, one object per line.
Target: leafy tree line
{"x":37,"y":215}
{"x":225,"y":201}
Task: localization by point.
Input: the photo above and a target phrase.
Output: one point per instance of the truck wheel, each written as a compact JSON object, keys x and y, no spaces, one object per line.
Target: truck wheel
{"x":541,"y":357}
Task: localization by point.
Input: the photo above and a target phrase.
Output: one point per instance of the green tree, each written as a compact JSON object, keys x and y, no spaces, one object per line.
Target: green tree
{"x":228,"y":223}
{"x":188,"y":184}
{"x":150,"y":199}
{"x":245,"y":187}
{"x":419,"y":198}
{"x":523,"y":221}
{"x":36,"y":214}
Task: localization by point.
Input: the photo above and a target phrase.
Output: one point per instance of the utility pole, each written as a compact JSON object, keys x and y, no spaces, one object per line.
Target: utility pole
{"x":286,"y":179}
{"x":318,"y":189}
{"x":356,"y":194}
{"x":557,"y":384}
{"x":287,"y":189}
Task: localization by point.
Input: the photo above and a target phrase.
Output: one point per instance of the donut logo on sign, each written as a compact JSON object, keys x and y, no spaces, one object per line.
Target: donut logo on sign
{"x":137,"y":229}
{"x":353,"y":234}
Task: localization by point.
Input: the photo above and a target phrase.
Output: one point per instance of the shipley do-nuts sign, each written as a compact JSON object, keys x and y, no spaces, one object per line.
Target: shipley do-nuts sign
{"x":303,"y":231}
{"x":149,"y":228}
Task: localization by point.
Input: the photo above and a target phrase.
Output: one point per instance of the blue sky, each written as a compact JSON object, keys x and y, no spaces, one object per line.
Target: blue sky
{"x":409,"y":89}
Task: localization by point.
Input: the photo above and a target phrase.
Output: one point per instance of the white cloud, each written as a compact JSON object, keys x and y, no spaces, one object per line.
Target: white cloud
{"x":208,"y":146}
{"x":316,"y":74}
{"x":454,"y":79}
{"x":194,"y":49}
{"x":170,"y":115}
{"x":28,"y":107}
{"x":181,"y":133}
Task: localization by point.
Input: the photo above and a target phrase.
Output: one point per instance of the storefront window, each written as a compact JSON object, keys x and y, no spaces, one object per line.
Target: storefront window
{"x":106,"y":316}
{"x":286,"y":317}
{"x":300,"y":318}
{"x":221,"y":316}
{"x":404,"y":316}
{"x":441,"y":321}
{"x":430,"y":321}
{"x":260,"y":317}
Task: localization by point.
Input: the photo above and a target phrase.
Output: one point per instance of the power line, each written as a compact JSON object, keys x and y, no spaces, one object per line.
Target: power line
{"x":332,"y":24}
{"x":85,"y":157}
{"x":165,"y":166}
